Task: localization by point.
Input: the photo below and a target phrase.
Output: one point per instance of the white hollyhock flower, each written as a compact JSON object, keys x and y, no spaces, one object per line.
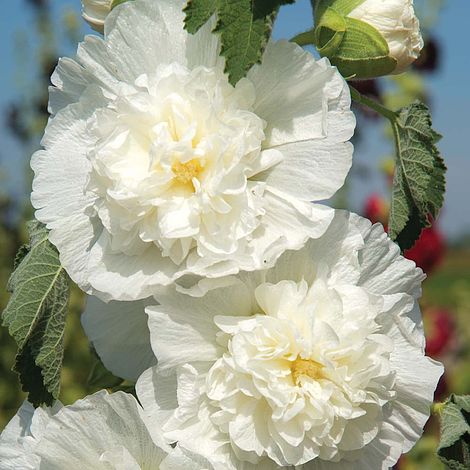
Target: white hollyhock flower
{"x":101,"y":431}
{"x":155,"y":167}
{"x":94,"y":12}
{"x":316,"y":361}
{"x":397,"y":23}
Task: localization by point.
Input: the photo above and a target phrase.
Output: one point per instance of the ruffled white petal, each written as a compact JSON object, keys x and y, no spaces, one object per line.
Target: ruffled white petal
{"x":119,"y":333}
{"x":183,"y":325}
{"x":151,"y":28}
{"x":95,"y":431}
{"x":15,"y":439}
{"x":310,"y":126}
{"x":20,"y":437}
{"x":61,"y":172}
{"x":383,"y":269}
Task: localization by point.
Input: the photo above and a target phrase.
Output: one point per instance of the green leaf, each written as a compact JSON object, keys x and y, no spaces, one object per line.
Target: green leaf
{"x":20,"y":254}
{"x":419,"y":182}
{"x":244,"y":36}
{"x":244,"y":27}
{"x":100,"y":377}
{"x":266,"y":7}
{"x":35,"y":316}
{"x":198,"y":12}
{"x":454,"y":447}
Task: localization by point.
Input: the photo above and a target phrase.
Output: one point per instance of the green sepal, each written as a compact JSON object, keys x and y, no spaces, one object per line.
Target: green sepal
{"x":329,"y":33}
{"x":342,"y":7}
{"x":362,"y":51}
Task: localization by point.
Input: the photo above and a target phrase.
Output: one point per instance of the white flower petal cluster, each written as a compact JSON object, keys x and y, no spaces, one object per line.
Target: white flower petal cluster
{"x":397,"y":23}
{"x":155,"y":167}
{"x":318,"y":361}
{"x":101,"y":432}
{"x":94,"y":12}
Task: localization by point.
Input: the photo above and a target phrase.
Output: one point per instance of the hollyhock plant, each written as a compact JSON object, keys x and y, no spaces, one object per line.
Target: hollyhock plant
{"x":155,"y":167}
{"x":100,"y":432}
{"x":318,"y":361}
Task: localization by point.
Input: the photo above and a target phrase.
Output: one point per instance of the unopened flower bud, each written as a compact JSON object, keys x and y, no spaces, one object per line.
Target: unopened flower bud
{"x":368,"y":38}
{"x":95,"y":12}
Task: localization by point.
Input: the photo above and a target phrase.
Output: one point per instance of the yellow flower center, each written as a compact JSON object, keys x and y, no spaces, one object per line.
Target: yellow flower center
{"x":185,"y":172}
{"x":306,"y":367}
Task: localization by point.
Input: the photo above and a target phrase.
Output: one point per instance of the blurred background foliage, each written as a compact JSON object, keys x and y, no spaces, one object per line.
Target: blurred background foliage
{"x":446,"y":292}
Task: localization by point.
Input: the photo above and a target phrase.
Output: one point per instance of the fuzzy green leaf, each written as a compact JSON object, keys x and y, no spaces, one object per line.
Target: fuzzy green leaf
{"x":244,"y":27}
{"x":35,"y":316}
{"x":243,"y":34}
{"x":419,"y":182}
{"x":454,"y":447}
{"x":23,"y":250}
{"x":198,"y":12}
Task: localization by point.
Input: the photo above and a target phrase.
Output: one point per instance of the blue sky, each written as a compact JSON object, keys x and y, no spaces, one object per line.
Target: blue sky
{"x":449,"y":88}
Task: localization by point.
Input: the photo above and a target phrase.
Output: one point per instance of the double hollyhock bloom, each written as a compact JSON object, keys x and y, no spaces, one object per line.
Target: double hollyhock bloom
{"x":263,"y":330}
{"x":155,"y":168}
{"x":318,"y":361}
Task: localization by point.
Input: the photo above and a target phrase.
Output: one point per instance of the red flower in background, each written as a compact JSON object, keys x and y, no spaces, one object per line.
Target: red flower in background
{"x":429,"y":250}
{"x":376,"y":209}
{"x":440,"y":330}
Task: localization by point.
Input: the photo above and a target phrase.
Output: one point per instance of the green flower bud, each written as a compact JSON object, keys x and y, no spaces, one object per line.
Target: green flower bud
{"x":367,"y":38}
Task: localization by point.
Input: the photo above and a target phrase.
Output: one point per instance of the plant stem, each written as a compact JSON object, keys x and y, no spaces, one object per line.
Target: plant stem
{"x":388,"y":113}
